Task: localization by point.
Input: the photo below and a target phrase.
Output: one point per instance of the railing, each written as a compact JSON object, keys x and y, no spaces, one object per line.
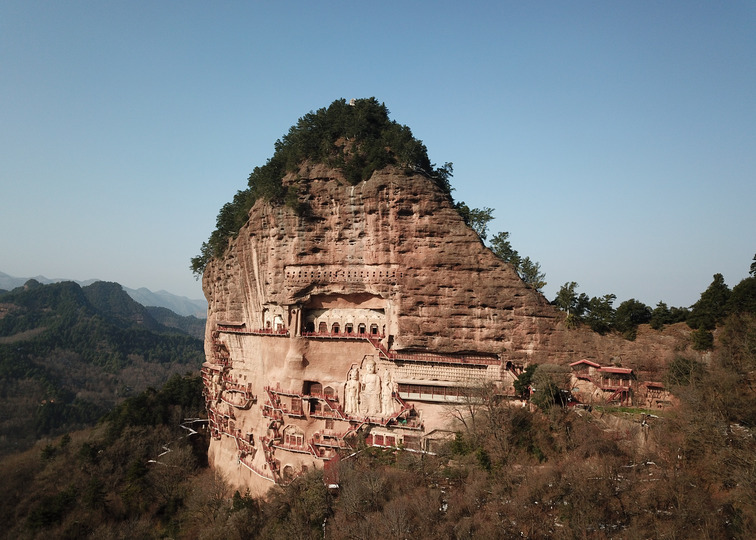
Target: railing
{"x":331,"y":441}
{"x":375,"y":341}
{"x":607,"y":384}
{"x":245,"y":403}
{"x":621,"y":395}
{"x":341,"y":335}
{"x":268,"y":411}
{"x":258,"y":472}
{"x":296,"y":413}
{"x":278,"y":390}
{"x":330,"y":414}
{"x":217,"y":412}
{"x":281,"y":332}
{"x":472,"y":360}
{"x":299,"y":449}
{"x":436,"y":358}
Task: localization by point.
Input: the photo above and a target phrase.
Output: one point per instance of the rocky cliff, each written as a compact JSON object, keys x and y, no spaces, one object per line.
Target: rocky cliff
{"x":366,"y":313}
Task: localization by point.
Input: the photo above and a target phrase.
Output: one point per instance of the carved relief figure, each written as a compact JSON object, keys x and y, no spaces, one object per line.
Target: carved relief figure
{"x":371,"y":391}
{"x":352,"y":393}
{"x":387,"y":398}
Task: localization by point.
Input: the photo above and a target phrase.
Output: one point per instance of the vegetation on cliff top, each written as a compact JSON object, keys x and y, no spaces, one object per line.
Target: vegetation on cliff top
{"x":356,"y":138}
{"x":716,"y":303}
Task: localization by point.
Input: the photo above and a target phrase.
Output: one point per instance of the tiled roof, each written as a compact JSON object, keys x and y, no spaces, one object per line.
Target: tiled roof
{"x":624,"y":371}
{"x":586,"y":362}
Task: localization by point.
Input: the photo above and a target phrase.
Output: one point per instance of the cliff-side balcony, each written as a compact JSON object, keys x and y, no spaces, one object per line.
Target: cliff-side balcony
{"x":324,"y":453}
{"x":329,"y":440}
{"x":237,"y":386}
{"x":434,"y":358}
{"x":413,"y":422}
{"x":327,"y":414}
{"x":220,"y":351}
{"x":342,"y":335}
{"x":280,"y":332}
{"x":289,"y":447}
{"x":222,"y":362}
{"x":280,"y":391}
{"x":268,"y":411}
{"x":240,"y":400}
{"x":223,"y":414}
{"x":244,"y":446}
{"x":207,"y":367}
{"x":294,"y":413}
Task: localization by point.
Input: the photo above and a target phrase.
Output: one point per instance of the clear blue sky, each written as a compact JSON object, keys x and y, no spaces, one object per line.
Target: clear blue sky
{"x":616,"y":141}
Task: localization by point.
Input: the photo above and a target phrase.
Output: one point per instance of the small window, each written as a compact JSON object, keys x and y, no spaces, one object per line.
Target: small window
{"x":374,"y":329}
{"x":296,"y":404}
{"x":361,"y":329}
{"x":348,"y":328}
{"x":323,"y":328}
{"x":335,"y":328}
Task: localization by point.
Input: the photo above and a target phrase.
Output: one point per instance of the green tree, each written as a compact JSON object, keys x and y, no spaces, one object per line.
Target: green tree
{"x":753,"y":267}
{"x":502,"y":248}
{"x":522,"y":384}
{"x":567,"y":299}
{"x":600,"y":315}
{"x":711,"y":308}
{"x":477,"y":218}
{"x":703,"y":339}
{"x":530,"y":272}
{"x":660,"y":316}
{"x":443,"y":176}
{"x":629,"y":315}
{"x":743,"y":297}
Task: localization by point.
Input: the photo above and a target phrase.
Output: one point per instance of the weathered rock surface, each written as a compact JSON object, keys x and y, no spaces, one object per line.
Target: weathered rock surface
{"x":295,"y":299}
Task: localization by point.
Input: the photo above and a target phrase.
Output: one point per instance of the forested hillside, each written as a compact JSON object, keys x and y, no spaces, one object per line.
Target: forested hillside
{"x":128,"y":474}
{"x":542,"y":472}
{"x":68,"y":354}
{"x":189,"y":325}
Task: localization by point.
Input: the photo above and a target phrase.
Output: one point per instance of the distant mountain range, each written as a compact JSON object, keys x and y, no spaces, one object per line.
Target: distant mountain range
{"x":69,"y":353}
{"x":178,"y":304}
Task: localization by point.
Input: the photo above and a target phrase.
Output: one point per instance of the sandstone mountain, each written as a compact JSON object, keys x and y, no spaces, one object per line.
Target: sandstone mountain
{"x":349,"y":301}
{"x":383,"y":277}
